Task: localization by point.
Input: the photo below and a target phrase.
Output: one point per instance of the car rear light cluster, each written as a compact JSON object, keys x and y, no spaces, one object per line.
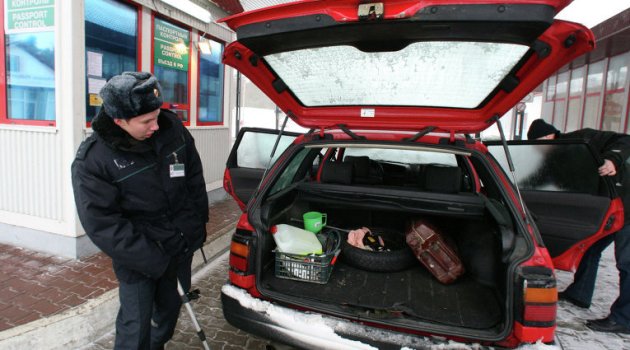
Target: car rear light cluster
{"x":239,"y":252}
{"x":536,"y":304}
{"x":540,"y":304}
{"x":241,"y":258}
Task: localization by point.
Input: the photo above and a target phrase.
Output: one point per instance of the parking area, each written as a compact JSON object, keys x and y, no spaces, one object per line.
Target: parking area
{"x":571,"y":330}
{"x":219,"y":334}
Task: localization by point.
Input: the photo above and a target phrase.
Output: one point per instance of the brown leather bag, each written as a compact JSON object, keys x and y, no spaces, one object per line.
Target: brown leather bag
{"x":433,"y":252}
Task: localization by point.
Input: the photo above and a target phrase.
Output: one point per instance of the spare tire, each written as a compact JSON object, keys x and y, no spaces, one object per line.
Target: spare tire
{"x":397,"y":258}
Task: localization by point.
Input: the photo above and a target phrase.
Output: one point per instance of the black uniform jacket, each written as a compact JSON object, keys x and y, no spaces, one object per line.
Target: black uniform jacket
{"x":616,"y":148}
{"x":131,"y":194}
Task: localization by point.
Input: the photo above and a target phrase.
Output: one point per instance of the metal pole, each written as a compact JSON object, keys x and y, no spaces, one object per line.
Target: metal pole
{"x":193,"y":318}
{"x":515,"y":133}
{"x":205,"y":260}
{"x":238,"y":102}
{"x":508,"y":156}
{"x":521,"y":123}
{"x":273,"y":151}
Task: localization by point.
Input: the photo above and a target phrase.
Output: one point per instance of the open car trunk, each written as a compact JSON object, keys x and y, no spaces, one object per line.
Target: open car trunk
{"x":391,"y":93}
{"x":462,"y":193}
{"x":411,"y":297}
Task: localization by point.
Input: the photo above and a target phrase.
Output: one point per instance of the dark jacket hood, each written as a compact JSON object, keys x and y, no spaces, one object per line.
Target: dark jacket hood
{"x":117,"y":138}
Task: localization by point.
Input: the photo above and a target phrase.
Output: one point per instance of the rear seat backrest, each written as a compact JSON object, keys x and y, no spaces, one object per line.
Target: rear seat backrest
{"x":361,"y":165}
{"x":442,"y":178}
{"x":337,"y":172}
{"x":366,"y":171}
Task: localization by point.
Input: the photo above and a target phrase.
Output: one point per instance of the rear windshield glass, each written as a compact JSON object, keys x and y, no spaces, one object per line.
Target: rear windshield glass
{"x":438,"y":74}
{"x":403,"y":156}
{"x":374,"y":166}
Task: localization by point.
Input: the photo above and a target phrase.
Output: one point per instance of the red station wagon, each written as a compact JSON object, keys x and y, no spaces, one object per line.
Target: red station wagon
{"x":393,"y":94}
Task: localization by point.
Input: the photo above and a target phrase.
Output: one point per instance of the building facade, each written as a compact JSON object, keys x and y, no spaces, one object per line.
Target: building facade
{"x":593,"y":90}
{"x":55,"y":56}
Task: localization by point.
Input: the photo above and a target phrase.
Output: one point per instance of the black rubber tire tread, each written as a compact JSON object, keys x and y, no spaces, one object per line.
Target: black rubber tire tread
{"x":399,"y":258}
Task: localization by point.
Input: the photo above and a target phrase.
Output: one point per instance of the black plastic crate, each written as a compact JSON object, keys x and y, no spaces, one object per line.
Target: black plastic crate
{"x":307,"y":268}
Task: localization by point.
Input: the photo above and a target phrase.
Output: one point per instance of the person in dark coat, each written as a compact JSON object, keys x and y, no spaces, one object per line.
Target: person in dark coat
{"x":141,"y":198}
{"x":615,"y":150}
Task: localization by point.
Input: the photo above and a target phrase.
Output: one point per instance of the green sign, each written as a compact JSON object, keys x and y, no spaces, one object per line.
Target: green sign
{"x":170,"y":45}
{"x":28,"y":15}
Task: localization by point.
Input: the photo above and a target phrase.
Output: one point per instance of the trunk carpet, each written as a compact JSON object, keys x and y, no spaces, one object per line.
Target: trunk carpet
{"x":414,"y":292}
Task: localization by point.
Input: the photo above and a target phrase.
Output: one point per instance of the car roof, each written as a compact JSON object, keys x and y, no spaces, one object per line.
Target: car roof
{"x":403,"y":65}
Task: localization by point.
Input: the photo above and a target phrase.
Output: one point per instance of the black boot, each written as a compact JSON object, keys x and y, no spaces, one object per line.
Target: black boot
{"x":566,"y":297}
{"x":607,"y":325}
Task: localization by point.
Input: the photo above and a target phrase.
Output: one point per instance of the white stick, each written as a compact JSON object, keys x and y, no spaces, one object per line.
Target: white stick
{"x":186,"y":303}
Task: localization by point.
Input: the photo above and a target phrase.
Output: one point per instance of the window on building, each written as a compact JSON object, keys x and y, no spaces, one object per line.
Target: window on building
{"x":615,"y":93}
{"x":211,"y":85}
{"x":576,"y":92}
{"x":28,"y":63}
{"x":592,"y":102}
{"x":111,"y":47}
{"x":551,"y":88}
{"x":171,"y":58}
{"x":559,"y":109}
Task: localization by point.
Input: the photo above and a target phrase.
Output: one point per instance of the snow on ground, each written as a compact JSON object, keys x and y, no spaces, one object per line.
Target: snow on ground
{"x":571,"y":331}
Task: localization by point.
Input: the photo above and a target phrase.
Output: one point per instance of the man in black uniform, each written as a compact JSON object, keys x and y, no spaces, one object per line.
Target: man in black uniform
{"x":141,"y":198}
{"x":615,"y":150}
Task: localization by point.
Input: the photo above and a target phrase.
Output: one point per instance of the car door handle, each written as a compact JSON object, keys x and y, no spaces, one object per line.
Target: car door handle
{"x":609,"y":223}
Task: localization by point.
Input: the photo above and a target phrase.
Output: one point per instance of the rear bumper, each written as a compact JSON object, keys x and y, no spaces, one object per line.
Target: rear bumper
{"x":310,"y":330}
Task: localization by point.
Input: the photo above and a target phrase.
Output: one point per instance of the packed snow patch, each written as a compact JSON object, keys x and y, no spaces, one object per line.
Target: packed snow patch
{"x":571,"y":331}
{"x":320,"y":331}
{"x":302,"y":324}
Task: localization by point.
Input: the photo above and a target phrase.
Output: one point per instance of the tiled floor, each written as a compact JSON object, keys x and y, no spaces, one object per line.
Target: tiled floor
{"x":34,"y":285}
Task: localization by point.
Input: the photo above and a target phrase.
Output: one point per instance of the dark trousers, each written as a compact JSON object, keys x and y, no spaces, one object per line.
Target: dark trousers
{"x":149,"y":309}
{"x":584,"y":280}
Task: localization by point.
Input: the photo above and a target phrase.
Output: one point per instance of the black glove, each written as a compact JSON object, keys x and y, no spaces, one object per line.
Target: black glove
{"x":176,"y":245}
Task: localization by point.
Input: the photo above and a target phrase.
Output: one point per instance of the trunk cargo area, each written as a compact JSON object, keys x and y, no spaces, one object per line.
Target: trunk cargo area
{"x":411,"y":297}
{"x":413,"y":294}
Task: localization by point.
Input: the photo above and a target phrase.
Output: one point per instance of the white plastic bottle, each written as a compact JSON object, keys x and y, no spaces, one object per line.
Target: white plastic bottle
{"x":294,"y":240}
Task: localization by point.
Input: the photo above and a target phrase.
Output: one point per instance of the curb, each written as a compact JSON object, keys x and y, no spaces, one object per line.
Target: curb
{"x":213,"y":248}
{"x":84,"y":324}
{"x":69,"y":329}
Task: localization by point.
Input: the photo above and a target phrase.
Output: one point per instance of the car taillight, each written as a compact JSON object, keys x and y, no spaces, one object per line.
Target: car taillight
{"x":540,"y":300}
{"x":241,"y":260}
{"x":540,"y":313}
{"x":239,"y":252}
{"x":536,"y":303}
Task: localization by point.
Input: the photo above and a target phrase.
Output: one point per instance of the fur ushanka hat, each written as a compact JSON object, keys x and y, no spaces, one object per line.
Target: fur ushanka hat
{"x":131,"y":94}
